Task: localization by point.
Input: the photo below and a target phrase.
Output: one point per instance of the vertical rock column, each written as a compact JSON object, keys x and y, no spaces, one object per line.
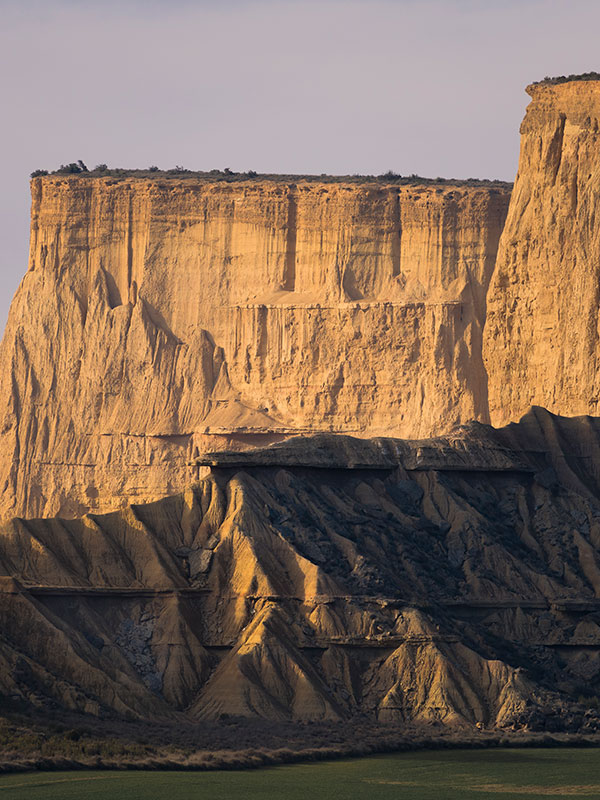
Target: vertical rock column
{"x":541,"y":338}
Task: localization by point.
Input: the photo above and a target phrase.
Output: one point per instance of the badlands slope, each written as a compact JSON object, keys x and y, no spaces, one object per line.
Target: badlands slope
{"x":453,"y":580}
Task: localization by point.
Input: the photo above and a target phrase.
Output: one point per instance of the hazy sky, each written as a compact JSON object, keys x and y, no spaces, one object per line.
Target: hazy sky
{"x":427,"y":86}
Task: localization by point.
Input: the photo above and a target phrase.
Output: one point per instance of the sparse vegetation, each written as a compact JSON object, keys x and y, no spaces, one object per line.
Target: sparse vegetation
{"x":74,"y":168}
{"x":79,"y":169}
{"x":68,"y":741}
{"x":584,"y":76}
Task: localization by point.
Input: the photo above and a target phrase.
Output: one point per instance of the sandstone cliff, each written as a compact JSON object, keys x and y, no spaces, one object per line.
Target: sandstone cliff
{"x":160,"y":318}
{"x":454,"y":580}
{"x":542,"y":340}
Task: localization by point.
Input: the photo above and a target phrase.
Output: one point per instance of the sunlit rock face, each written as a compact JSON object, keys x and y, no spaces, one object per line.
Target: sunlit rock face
{"x":160,"y":318}
{"x":542,"y":339}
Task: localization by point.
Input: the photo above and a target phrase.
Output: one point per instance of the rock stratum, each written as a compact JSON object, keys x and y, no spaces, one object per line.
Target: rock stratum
{"x":452,"y":580}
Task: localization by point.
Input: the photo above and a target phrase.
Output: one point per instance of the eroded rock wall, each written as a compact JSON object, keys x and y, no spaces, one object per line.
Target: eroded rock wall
{"x":160,"y":318}
{"x":542,"y":336}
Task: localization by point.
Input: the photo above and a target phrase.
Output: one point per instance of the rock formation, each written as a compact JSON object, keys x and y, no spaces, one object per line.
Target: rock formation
{"x":453,"y":580}
{"x":218,"y":342}
{"x":163,"y":317}
{"x":160,"y":318}
{"x":542,"y":339}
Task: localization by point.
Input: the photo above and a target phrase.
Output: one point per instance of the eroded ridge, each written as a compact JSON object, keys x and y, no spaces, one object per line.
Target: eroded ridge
{"x":453,"y":580}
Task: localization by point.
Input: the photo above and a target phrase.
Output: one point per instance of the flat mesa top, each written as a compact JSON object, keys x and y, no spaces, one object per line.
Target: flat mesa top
{"x":584,"y":76}
{"x":220,"y":176}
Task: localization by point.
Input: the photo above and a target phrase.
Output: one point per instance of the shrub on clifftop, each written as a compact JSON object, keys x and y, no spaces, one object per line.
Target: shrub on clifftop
{"x":584,"y":76}
{"x":74,"y":168}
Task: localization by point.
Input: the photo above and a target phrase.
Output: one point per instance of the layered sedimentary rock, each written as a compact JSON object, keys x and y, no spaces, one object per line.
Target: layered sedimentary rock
{"x":542,"y":338}
{"x":160,"y":318}
{"x":454,"y":580}
{"x":163,"y":317}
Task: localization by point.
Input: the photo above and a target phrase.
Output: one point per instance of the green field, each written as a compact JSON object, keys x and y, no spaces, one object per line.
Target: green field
{"x":476,"y":774}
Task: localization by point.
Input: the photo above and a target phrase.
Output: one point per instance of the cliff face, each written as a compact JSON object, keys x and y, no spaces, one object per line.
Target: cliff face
{"x":542,"y":338}
{"x":454,"y":580}
{"x":162,"y":318}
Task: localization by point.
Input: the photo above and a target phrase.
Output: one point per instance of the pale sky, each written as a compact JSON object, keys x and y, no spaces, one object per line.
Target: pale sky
{"x":309,"y":86}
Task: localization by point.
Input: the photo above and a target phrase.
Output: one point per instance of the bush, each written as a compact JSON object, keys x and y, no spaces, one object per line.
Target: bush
{"x":584,"y":76}
{"x":102,"y":170}
{"x":38,"y":172}
{"x":69,"y":169}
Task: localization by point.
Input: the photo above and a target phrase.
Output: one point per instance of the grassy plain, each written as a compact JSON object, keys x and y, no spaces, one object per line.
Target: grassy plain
{"x":493,"y":774}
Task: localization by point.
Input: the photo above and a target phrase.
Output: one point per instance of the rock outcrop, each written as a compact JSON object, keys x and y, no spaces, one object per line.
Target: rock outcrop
{"x":164,"y":317}
{"x":160,"y":318}
{"x":403,"y":581}
{"x":218,"y":342}
{"x":542,"y":338}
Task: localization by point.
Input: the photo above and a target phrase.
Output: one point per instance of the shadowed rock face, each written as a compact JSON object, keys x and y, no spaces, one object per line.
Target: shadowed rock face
{"x":161,"y":318}
{"x":397,"y":579}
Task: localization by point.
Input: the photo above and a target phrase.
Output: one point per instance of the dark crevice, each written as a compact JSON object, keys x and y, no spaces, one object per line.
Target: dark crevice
{"x":130,"y":242}
{"x":396,"y":237}
{"x":289,"y":275}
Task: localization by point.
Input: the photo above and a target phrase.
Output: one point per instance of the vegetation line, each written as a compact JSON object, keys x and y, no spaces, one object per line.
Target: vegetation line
{"x":77,"y":169}
{"x":583,"y":76}
{"x":257,"y":759}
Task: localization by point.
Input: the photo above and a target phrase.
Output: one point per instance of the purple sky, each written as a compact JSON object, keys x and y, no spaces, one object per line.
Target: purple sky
{"x":427,"y":86}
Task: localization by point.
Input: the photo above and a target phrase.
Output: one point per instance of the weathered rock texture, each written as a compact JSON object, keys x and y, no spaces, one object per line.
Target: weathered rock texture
{"x":163,"y":317}
{"x":453,"y":580}
{"x":542,"y":336}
